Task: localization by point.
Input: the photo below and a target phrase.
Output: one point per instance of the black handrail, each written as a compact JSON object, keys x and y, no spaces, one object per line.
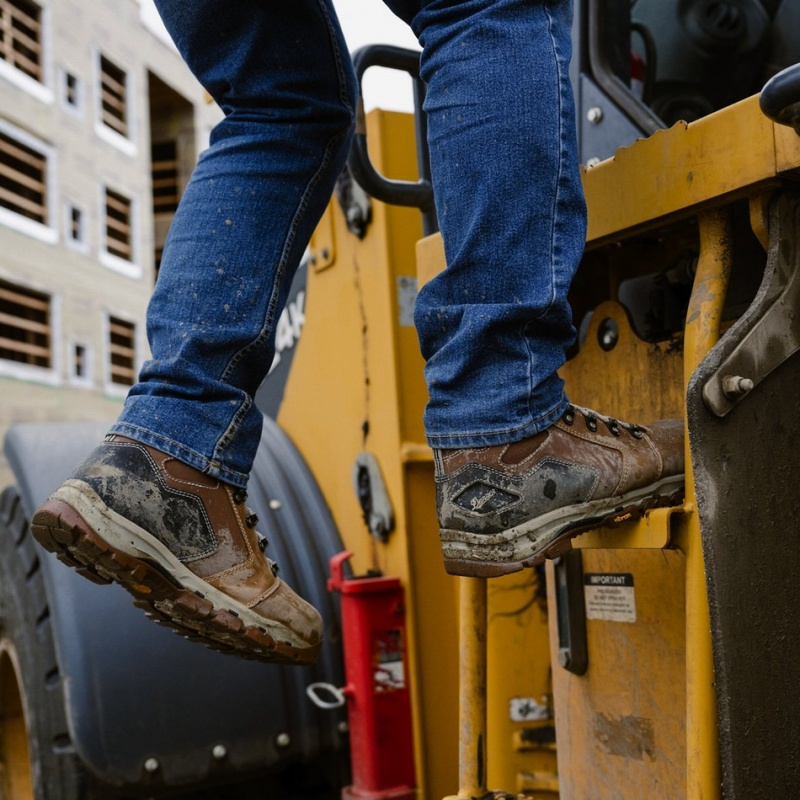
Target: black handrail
{"x":417,"y":194}
{"x":780,"y":97}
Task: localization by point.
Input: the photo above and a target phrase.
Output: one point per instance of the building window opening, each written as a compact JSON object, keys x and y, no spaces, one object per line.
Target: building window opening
{"x":72,"y":90}
{"x":113,"y":94}
{"x":21,"y":36}
{"x":122,"y":351}
{"x":118,"y":225}
{"x":79,"y":361}
{"x":76,"y":226}
{"x":165,"y":177}
{"x":25,"y":329}
{"x":23,"y":174}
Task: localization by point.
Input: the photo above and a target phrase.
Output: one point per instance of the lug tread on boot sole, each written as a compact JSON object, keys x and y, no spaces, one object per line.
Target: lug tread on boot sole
{"x":62,"y":531}
{"x":561,"y":542}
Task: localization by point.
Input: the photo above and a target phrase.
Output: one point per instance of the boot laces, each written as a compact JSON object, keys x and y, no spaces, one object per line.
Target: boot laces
{"x":251,"y":520}
{"x":614,"y":425}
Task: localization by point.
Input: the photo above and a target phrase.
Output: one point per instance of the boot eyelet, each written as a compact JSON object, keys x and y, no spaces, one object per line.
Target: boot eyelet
{"x":591,"y":424}
{"x":568,"y":417}
{"x":614,"y":428}
{"x":251,"y":521}
{"x":239,"y":495}
{"x":637,"y":433}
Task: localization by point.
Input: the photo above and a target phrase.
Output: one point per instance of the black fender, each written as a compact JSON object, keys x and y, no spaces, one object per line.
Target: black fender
{"x":745,"y":461}
{"x":146,"y":708}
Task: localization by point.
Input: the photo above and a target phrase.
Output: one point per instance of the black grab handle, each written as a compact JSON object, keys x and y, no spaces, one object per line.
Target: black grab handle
{"x":780,"y":97}
{"x":417,"y":194}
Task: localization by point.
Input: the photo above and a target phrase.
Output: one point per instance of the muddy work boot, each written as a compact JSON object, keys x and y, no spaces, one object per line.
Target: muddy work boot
{"x":511,"y":506}
{"x":184,"y":545}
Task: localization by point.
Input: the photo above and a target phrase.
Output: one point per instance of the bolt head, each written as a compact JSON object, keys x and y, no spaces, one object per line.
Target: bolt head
{"x":595,"y":115}
{"x":735,"y":386}
{"x":219,"y":751}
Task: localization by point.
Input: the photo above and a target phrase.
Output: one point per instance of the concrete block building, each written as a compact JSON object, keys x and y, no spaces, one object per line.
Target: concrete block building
{"x":100,"y":126}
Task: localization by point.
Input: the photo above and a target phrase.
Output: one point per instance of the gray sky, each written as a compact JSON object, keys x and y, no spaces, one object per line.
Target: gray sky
{"x":371,"y":22}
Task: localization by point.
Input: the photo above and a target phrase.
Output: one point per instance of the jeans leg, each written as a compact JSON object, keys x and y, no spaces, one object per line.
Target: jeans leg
{"x":282,"y":75}
{"x":495,"y":324}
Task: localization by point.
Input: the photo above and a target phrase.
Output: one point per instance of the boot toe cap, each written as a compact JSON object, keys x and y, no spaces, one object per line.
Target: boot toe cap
{"x":299,"y":617}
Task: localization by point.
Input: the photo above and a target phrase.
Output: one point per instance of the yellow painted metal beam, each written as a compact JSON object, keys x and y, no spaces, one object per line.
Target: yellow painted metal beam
{"x":472,"y":688}
{"x":702,"y":332}
{"x":676,"y":171}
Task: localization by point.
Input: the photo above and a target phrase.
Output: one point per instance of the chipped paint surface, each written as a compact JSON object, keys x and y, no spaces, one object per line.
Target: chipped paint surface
{"x":628,"y":737}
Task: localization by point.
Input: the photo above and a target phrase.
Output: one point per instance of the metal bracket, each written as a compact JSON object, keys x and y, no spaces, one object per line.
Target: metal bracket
{"x":354,"y":202}
{"x":571,"y":613}
{"x":373,"y":496}
{"x":773,"y":319}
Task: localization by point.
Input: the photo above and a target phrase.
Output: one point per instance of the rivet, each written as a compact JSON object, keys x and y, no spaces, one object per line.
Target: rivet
{"x":608,"y":334}
{"x":283,"y":740}
{"x":219,"y":751}
{"x":151,"y":765}
{"x":274,"y":504}
{"x":594,"y":115}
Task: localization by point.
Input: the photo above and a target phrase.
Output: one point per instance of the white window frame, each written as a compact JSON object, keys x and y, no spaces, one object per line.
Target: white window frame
{"x":79,"y":108}
{"x":130,"y":269}
{"x":50,"y":376}
{"x":85,"y":381}
{"x":43,"y":232}
{"x":82,"y":244}
{"x":42,"y":91}
{"x":125,"y":144}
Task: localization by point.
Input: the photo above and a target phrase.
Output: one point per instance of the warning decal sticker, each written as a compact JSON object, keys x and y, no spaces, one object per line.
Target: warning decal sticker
{"x":609,"y":596}
{"x":387,"y":659}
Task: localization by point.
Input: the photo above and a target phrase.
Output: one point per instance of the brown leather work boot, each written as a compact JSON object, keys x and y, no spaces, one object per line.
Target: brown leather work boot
{"x":511,"y":506}
{"x":184,"y":545}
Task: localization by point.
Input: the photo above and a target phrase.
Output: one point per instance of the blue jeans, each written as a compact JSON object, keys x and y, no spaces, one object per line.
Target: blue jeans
{"x":493,"y":327}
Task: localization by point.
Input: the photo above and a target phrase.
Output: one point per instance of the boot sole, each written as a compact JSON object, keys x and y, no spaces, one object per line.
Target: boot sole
{"x":160,"y":585}
{"x":549,"y":536}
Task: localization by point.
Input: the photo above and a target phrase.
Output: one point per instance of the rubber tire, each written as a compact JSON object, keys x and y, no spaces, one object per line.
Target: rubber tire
{"x":58,"y":772}
{"x":25,"y":621}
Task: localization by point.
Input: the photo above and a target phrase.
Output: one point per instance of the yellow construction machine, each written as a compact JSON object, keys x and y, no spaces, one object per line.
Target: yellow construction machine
{"x":656,"y":660}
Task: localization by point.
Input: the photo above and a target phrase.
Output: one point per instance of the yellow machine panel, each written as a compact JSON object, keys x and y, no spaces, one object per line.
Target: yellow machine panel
{"x":499,"y":704}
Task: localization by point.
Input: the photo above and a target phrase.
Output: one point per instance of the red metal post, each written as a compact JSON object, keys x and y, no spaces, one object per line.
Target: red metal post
{"x":377,"y":690}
